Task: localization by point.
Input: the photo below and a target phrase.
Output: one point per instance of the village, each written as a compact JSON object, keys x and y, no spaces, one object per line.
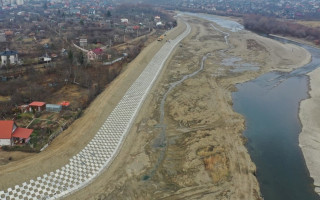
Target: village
{"x":57,"y":56}
{"x":289,"y":9}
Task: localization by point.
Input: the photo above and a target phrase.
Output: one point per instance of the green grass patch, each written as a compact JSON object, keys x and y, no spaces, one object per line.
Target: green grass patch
{"x":26,"y":115}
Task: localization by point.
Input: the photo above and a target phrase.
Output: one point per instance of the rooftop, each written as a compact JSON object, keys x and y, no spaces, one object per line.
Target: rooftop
{"x":65,"y":103}
{"x":6,"y":129}
{"x":97,"y":51}
{"x":22,"y":133}
{"x":37,"y":103}
{"x":8,"y":53}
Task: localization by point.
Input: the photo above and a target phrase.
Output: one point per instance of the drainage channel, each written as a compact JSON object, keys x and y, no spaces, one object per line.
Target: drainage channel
{"x":162,"y":144}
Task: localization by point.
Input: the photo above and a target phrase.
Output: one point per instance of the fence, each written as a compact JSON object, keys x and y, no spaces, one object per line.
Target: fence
{"x":114,"y":61}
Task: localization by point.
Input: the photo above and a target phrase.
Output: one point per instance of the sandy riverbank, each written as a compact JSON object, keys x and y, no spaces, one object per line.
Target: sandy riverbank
{"x":309,"y":137}
{"x":205,"y":156}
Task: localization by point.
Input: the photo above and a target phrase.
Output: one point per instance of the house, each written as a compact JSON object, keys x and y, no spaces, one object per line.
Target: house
{"x":124,"y":20}
{"x":158,"y":23}
{"x":98,"y":52}
{"x":8,"y":33}
{"x":83,"y":42}
{"x":91,"y":55}
{"x":11,"y":134}
{"x":3,"y":37}
{"x":61,"y":24}
{"x":45,"y":58}
{"x":92,"y":11}
{"x":116,"y":37}
{"x":53,"y":108}
{"x":9,"y":57}
{"x":21,"y":13}
{"x":65,"y":103}
{"x":63,"y":52}
{"x":37,"y":106}
{"x":32,"y":34}
{"x":157,"y":18}
{"x":95,"y":54}
{"x":75,"y":11}
{"x":24,"y":108}
{"x":46,"y":46}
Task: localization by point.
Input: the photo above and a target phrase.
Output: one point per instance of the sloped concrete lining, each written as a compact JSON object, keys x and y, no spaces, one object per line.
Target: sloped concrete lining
{"x":90,"y":162}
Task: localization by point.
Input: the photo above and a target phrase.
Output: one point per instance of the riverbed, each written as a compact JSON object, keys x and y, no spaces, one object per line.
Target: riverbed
{"x":270,"y":105}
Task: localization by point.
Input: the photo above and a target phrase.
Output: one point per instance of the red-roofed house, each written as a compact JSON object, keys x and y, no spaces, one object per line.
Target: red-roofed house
{"x":95,"y":54}
{"x":8,"y":33}
{"x":37,"y":106}
{"x":11,"y":134}
{"x":98,"y":51}
{"x":65,"y":103}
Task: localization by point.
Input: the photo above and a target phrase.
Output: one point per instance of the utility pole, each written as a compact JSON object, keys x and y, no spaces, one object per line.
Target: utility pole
{"x":124,"y":35}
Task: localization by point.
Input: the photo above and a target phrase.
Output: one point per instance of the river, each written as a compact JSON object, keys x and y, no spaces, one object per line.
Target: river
{"x":270,"y":105}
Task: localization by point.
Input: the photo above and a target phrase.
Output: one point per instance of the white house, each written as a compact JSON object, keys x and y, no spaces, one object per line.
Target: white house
{"x":124,"y":20}
{"x":83,"y":42}
{"x":9,"y":57}
{"x":159,"y":24}
{"x":92,"y":11}
{"x":45,"y":58}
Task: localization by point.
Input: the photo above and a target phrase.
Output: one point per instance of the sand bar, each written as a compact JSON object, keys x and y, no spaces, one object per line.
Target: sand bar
{"x":309,"y":137}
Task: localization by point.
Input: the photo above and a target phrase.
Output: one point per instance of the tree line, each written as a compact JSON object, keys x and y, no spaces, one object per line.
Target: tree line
{"x":268,"y":25}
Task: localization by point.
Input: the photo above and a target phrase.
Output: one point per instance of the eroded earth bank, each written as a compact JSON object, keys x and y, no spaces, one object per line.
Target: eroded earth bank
{"x":198,"y":151}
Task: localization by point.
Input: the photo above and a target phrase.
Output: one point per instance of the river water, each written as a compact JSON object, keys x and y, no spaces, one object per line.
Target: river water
{"x":270,"y":105}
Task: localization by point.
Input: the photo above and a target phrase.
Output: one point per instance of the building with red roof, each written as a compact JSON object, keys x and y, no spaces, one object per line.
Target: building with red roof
{"x":11,"y":134}
{"x":95,"y":54}
{"x":65,"y":103}
{"x":98,"y":51}
{"x":37,"y":106}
